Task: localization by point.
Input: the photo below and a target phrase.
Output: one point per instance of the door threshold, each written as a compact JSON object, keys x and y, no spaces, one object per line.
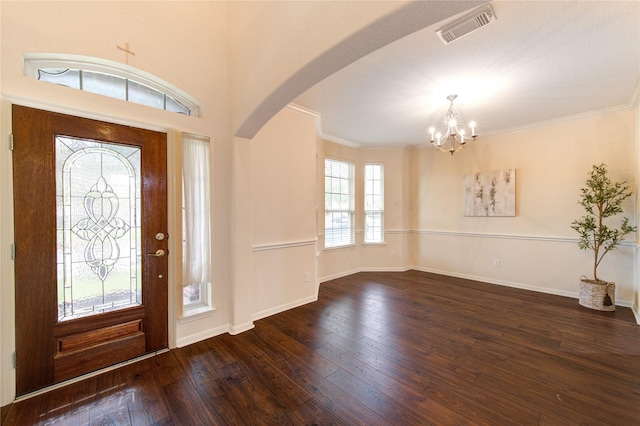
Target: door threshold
{"x":88,"y":375}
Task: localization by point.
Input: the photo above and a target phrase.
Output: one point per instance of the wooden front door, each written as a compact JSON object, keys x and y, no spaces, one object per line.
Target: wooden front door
{"x":90,"y":209}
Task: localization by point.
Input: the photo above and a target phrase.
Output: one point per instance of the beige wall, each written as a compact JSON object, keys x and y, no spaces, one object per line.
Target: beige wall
{"x":170,"y":48}
{"x":536,"y":249}
{"x":296,"y":35}
{"x":280,"y":49}
{"x":551,"y":165}
{"x":392,"y":254}
{"x":636,"y":293}
{"x":218,"y":52}
{"x":283,"y":206}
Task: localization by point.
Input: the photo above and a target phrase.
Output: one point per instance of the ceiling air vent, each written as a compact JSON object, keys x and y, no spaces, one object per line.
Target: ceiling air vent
{"x":467,"y":24}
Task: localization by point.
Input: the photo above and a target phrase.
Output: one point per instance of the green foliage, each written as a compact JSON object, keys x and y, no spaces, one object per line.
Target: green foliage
{"x":601,"y":199}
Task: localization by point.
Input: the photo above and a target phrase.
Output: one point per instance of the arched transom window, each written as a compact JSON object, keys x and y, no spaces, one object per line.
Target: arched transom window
{"x":112,"y":79}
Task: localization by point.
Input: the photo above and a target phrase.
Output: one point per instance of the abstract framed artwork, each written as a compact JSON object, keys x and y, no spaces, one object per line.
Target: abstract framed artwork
{"x":490,"y":193}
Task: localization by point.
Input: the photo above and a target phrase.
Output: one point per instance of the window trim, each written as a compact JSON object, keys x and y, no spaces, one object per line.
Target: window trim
{"x":351,"y":211}
{"x":364,"y":203}
{"x":33,"y":62}
{"x":205,"y":304}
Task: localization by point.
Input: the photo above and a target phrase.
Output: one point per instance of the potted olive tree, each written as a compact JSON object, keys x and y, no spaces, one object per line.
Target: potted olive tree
{"x":601,"y":199}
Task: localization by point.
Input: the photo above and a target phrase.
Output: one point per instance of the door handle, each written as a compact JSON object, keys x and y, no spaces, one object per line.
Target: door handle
{"x":158,"y":253}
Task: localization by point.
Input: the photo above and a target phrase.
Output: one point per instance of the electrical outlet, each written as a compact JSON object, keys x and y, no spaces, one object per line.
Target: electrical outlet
{"x":393,"y":253}
{"x":306,"y":277}
{"x":496,"y":263}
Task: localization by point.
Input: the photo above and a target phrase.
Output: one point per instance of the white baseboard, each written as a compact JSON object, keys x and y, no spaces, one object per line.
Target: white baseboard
{"x":285,"y":307}
{"x":237,"y":329}
{"x":338,"y":275}
{"x":355,"y":271}
{"x":556,"y":292}
{"x":202,"y":335}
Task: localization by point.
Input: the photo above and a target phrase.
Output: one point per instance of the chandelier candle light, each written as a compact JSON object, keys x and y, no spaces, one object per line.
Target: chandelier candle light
{"x":453,"y":138}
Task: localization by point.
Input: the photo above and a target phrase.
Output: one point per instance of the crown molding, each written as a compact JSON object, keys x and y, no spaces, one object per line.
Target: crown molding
{"x":564,"y":119}
{"x":304,"y":110}
{"x":634,"y":101}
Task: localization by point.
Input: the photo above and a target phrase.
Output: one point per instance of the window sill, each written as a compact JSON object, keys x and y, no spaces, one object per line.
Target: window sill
{"x":374,"y":244}
{"x":195,"y":314}
{"x":340,"y":247}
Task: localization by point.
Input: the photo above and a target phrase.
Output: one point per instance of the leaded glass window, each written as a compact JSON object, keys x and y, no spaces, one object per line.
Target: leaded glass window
{"x":113,"y":87}
{"x":112,"y":79}
{"x":104,"y":84}
{"x":98,"y":206}
{"x":61,"y":76}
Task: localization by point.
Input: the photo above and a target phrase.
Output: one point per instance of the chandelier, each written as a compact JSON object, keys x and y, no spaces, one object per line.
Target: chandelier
{"x":452,"y":138}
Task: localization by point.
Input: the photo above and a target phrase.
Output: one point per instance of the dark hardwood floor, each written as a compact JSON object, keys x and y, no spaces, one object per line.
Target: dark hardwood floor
{"x":406,"y":348}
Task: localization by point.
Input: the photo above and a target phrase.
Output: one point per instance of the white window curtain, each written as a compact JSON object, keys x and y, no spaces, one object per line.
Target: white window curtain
{"x":196,"y":255}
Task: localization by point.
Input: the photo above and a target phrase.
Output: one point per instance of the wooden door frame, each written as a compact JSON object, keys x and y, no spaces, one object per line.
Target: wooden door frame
{"x":8,"y":226}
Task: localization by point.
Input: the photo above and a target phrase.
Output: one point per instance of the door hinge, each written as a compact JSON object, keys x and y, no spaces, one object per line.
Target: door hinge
{"x":14,"y":360}
{"x":13,"y":252}
{"x":11,"y":141}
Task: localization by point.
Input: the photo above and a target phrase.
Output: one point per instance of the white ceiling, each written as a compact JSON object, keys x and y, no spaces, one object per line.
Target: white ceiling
{"x":539,"y":61}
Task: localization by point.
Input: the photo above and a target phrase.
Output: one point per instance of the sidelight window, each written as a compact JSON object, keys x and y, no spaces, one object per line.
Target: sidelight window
{"x":196,"y":224}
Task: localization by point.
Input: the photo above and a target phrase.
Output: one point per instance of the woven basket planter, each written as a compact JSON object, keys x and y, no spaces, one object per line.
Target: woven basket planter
{"x":599,"y":295}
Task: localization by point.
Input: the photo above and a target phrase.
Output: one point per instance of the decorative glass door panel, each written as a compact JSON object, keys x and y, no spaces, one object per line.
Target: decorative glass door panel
{"x":98,"y":232}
